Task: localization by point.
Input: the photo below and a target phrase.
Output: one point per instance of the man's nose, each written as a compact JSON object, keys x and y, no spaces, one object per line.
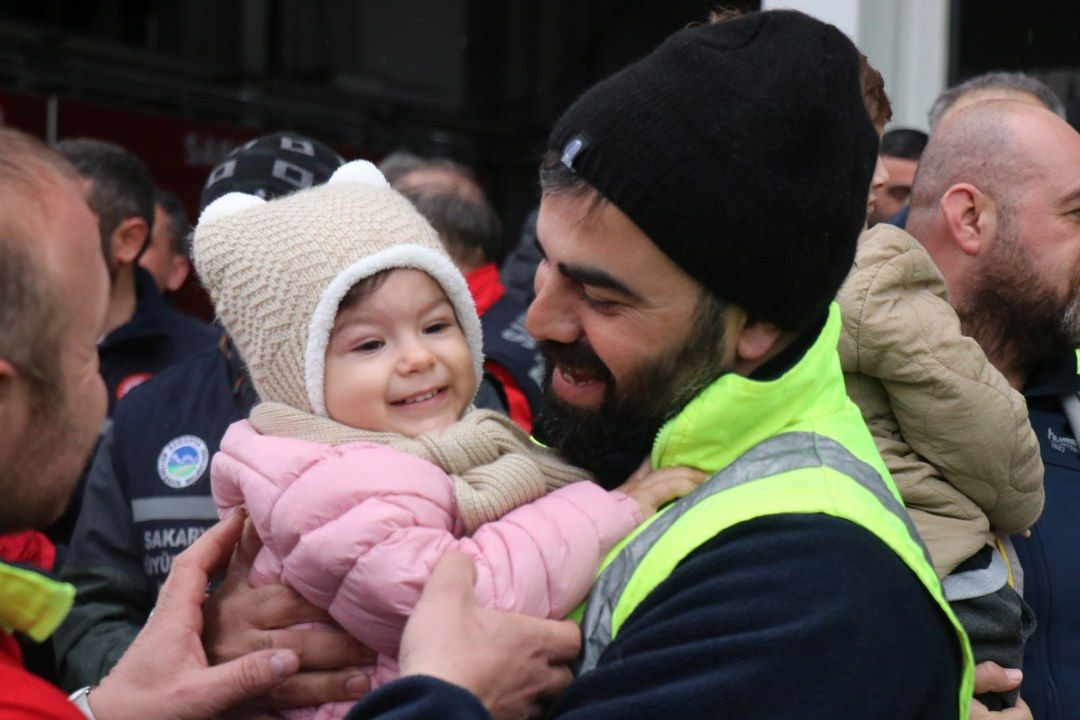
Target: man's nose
{"x":552,"y":314}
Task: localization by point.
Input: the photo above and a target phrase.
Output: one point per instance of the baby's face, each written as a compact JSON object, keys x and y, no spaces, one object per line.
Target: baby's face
{"x":397,"y":361}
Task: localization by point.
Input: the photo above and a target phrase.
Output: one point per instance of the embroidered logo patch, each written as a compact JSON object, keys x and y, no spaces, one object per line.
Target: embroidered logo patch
{"x":183,"y":461}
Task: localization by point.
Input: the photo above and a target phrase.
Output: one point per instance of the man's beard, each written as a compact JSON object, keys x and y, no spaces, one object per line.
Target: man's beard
{"x":1011,"y":312}
{"x":37,"y":486}
{"x":611,"y":440}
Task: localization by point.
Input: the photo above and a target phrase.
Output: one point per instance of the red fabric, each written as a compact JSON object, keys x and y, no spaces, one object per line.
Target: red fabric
{"x":24,"y":696}
{"x":487,"y":289}
{"x":28,"y":547}
{"x":518,"y":403}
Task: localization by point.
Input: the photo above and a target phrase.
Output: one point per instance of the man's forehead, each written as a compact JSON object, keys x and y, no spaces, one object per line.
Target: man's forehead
{"x":597,"y":243}
{"x":586,"y":212}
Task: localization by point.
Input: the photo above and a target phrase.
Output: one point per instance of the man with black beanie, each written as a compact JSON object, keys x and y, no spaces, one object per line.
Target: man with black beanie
{"x":700,"y":210}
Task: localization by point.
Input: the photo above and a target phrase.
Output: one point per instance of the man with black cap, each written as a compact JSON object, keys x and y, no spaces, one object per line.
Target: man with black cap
{"x":148,"y":492}
{"x":685,"y":307}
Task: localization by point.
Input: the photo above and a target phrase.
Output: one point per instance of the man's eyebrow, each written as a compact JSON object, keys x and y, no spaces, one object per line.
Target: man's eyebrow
{"x":595,"y":277}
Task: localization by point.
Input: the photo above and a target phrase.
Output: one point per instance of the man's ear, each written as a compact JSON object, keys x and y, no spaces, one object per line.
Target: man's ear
{"x":755,"y":340}
{"x":128,"y":240}
{"x":970,"y":217}
{"x":179,"y":267}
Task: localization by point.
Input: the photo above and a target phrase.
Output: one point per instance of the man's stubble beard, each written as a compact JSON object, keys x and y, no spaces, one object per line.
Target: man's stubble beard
{"x":634,"y":410}
{"x":1018,"y":321}
{"x":37,"y":486}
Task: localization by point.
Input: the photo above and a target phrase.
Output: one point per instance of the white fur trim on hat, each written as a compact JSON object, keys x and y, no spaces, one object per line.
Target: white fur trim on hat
{"x":358,"y":171}
{"x":434,"y":263}
{"x":229,"y":204}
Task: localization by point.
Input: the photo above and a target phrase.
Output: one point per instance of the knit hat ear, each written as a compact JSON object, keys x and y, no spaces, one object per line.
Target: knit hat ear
{"x":229,"y":204}
{"x":359,"y":171}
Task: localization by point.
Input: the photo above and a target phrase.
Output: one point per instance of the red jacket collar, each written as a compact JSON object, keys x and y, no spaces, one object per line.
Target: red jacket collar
{"x":485,"y":287}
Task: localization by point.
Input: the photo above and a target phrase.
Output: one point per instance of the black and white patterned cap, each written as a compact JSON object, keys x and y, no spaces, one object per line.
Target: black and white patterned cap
{"x":271,"y":166}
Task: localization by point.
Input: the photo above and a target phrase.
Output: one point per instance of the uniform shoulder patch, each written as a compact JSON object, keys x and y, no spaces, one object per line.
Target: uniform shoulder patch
{"x":182,"y":461}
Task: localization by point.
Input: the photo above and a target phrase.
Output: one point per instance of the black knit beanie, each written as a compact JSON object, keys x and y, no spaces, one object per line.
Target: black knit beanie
{"x":270,"y":166}
{"x":744,"y":151}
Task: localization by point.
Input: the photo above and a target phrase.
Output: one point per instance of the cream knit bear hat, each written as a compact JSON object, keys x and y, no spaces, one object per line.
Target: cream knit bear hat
{"x":277,"y":270}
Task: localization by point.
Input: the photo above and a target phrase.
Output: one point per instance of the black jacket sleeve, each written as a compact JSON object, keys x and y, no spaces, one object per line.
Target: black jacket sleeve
{"x":418,"y":697}
{"x":790,"y":616}
{"x":113,"y":594}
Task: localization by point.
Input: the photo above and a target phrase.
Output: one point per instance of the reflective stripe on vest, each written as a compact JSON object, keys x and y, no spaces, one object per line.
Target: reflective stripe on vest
{"x":781,"y":454}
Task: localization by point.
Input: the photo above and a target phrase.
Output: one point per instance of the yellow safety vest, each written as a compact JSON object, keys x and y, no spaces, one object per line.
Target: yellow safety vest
{"x":818,"y":457}
{"x":31,"y":602}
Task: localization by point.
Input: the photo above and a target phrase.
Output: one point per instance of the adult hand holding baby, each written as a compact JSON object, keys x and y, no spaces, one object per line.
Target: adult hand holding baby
{"x":240,"y":619}
{"x":652,"y":489}
{"x":165,"y":672}
{"x":511,"y":662}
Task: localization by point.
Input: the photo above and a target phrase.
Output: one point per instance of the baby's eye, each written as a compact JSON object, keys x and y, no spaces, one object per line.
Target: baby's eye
{"x":436,"y":327}
{"x":369,"y":346}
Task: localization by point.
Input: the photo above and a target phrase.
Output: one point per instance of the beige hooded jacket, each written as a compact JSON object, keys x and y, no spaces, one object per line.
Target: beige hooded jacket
{"x":953,"y":433}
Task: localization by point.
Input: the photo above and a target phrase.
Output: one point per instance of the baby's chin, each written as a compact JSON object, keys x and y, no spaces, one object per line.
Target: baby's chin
{"x":414,"y":427}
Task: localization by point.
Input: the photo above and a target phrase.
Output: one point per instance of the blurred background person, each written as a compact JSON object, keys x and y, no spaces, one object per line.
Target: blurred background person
{"x":166,"y":255}
{"x":900,"y":151}
{"x":143,"y":335}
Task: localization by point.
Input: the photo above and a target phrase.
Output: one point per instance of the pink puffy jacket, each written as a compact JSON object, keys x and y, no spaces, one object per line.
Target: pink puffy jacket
{"x":357,"y":528}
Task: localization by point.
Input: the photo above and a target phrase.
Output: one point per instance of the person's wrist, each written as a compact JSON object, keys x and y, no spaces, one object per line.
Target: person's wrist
{"x":629,"y":505}
{"x":99,"y":703}
{"x":81,"y":700}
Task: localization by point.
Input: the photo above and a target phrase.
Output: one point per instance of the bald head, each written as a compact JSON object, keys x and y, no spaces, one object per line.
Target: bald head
{"x":28,"y":170}
{"x":987,"y":145}
{"x":996,"y":203}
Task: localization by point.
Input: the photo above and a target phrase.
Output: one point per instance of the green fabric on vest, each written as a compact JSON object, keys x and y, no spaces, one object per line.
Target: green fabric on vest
{"x":736,"y":413}
{"x":32,"y":602}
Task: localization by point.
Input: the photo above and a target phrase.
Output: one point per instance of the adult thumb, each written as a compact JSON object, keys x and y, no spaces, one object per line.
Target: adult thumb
{"x":452,"y":578}
{"x":226,"y":685}
{"x":991,"y":677}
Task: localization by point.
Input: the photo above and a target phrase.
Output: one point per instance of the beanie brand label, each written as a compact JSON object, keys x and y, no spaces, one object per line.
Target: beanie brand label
{"x":573,"y":147}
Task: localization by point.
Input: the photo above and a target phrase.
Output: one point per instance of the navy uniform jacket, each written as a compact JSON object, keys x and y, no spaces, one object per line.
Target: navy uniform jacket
{"x":1049,"y":557}
{"x":147,"y":498}
{"x":156,"y":337}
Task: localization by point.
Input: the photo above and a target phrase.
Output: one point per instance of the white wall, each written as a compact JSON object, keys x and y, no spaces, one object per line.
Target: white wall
{"x":906,"y":40}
